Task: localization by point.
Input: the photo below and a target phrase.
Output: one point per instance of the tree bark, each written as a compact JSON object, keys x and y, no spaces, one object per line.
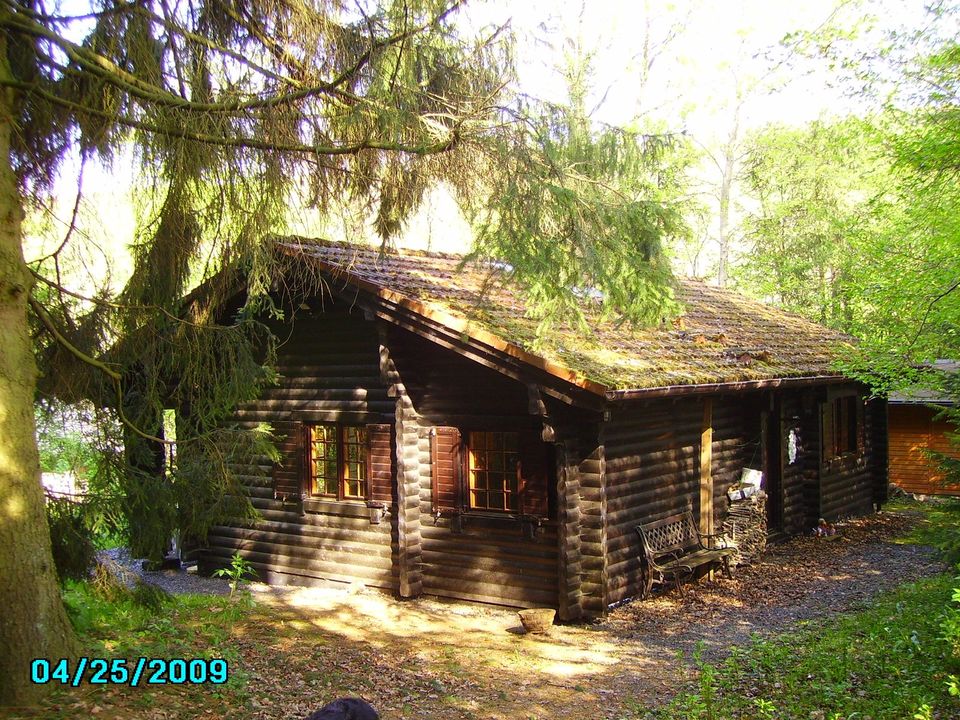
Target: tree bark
{"x":33,"y":623}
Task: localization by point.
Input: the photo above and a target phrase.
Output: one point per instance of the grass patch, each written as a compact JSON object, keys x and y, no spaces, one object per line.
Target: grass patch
{"x":889,"y":661}
{"x":140,"y":623}
{"x":940,"y":526}
{"x":133,"y":625}
{"x":897,"y":659}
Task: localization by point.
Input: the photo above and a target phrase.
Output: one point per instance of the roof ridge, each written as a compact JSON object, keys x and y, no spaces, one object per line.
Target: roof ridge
{"x":301,"y":241}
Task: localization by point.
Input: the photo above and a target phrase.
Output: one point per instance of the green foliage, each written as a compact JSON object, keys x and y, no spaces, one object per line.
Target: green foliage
{"x":71,"y":538}
{"x":180,"y":625}
{"x":239,"y":569}
{"x":813,"y":188}
{"x":67,"y":439}
{"x":150,"y":596}
{"x":940,"y":527}
{"x":584,"y":210}
{"x":887,"y":661}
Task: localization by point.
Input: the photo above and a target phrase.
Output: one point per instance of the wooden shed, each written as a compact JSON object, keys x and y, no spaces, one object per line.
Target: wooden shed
{"x":915,"y":430}
{"x":433,"y":445}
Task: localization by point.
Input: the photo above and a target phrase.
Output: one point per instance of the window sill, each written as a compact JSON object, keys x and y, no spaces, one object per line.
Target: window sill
{"x":845,"y":461}
{"x":475,"y":519}
{"x":342,"y":508}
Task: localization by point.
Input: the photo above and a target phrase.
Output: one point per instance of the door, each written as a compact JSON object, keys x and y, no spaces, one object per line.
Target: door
{"x":773,"y":466}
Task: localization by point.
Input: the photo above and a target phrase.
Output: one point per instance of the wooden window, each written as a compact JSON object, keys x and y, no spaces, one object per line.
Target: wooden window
{"x":842,"y":427}
{"x":489,"y":471}
{"x":337,"y":461}
{"x":494,"y":471}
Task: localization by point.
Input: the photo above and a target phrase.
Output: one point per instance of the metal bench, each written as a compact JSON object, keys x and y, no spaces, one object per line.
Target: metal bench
{"x":675,"y":548}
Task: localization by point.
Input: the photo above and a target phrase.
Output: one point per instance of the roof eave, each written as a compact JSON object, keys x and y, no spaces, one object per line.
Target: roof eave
{"x":722,"y":387}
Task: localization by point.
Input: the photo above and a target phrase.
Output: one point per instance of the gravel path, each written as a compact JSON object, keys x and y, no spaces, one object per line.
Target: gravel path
{"x":801,"y":579}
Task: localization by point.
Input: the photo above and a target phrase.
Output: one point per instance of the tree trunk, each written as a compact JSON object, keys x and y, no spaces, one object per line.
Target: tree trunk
{"x":33,"y":623}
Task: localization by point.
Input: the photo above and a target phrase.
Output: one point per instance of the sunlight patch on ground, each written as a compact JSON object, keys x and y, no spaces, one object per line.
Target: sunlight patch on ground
{"x":462,"y":635}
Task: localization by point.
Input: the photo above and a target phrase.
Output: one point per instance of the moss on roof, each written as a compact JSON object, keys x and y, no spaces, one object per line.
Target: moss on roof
{"x":720,"y":336}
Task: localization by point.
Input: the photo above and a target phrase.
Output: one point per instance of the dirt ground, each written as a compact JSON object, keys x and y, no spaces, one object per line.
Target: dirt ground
{"x":432,"y":659}
{"x":299,"y":648}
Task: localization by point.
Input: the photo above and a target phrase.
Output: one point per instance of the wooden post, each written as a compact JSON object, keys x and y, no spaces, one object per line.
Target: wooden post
{"x":409,"y":543}
{"x":706,"y":477}
{"x":568,"y":555}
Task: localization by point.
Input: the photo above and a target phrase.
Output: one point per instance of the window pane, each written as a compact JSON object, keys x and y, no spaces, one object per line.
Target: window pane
{"x":355,"y":462}
{"x":323,"y":459}
{"x":480,"y":479}
{"x":478,"y":460}
{"x":493,"y":462}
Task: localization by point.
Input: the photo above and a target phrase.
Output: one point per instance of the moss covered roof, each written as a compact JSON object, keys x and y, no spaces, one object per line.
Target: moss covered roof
{"x":720,"y":336}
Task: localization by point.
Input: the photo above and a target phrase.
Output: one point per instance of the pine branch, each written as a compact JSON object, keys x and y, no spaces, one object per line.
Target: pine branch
{"x":240,"y":141}
{"x":117,"y":379}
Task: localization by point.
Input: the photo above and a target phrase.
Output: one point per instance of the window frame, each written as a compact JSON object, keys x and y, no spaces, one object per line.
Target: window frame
{"x":341,"y":461}
{"x":846,"y":427}
{"x":468,"y":472}
{"x":450,"y":475}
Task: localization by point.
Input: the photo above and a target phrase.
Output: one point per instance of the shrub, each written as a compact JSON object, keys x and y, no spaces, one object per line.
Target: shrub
{"x":150,"y":596}
{"x":74,"y":551}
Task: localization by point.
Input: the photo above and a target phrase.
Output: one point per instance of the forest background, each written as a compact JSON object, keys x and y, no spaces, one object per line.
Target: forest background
{"x":807,"y":157}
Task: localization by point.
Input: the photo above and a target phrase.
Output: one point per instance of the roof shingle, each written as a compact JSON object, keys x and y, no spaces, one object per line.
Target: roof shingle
{"x":720,"y":337}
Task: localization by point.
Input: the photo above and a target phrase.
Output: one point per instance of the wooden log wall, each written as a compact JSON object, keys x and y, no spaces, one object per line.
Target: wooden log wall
{"x":799,"y":477}
{"x":878,"y":411}
{"x":735,"y":438}
{"x":496,"y":560}
{"x":569,"y":531}
{"x":913,"y":431}
{"x":849,"y":485}
{"x":331,"y":363}
{"x":593,"y":530}
{"x":406,"y":475}
{"x":652,"y":457}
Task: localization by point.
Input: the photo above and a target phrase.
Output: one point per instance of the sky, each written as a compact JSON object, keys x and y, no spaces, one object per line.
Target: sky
{"x":716,"y":47}
{"x":709,"y":56}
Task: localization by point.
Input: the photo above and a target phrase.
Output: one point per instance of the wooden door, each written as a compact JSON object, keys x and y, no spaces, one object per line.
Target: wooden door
{"x":773,"y":439}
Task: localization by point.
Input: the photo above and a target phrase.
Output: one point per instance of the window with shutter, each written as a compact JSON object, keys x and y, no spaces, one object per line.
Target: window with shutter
{"x":841,"y":427}
{"x":493,"y":468}
{"x":489,"y":471}
{"x":347,"y":462}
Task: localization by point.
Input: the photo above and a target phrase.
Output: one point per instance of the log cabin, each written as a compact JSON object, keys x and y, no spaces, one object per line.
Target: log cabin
{"x":434,"y":443}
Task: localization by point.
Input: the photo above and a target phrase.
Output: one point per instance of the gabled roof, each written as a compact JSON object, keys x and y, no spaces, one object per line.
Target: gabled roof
{"x":720,"y":338}
{"x":929,"y":395}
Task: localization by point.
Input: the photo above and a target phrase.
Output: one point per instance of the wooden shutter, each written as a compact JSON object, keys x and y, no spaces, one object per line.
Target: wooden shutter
{"x":861,"y":425}
{"x":446,"y":464}
{"x":533,"y":475}
{"x":290,"y":474}
{"x":380,"y":463}
{"x":826,"y":431}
